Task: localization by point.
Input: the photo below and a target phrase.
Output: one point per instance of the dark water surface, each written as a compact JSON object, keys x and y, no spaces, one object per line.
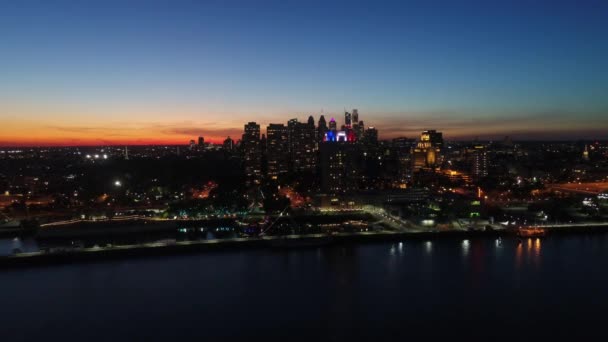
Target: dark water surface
{"x":479,"y":289}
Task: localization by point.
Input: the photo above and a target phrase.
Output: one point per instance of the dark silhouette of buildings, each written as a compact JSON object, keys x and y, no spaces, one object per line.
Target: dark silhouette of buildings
{"x":252,"y":154}
{"x":277,"y":150}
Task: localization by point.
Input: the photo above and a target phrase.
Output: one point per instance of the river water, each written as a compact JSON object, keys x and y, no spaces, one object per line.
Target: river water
{"x":481,"y":289}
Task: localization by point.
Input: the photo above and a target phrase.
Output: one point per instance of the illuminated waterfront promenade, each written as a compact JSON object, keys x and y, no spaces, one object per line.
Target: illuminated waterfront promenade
{"x":63,"y":255}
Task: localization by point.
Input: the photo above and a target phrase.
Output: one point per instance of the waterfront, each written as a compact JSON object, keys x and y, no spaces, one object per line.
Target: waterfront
{"x":478,"y":287}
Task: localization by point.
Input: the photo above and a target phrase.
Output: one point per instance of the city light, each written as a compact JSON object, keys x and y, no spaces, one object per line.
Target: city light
{"x":309,"y":172}
{"x":220,"y":170}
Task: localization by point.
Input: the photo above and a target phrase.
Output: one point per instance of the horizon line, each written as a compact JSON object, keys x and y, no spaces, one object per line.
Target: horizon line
{"x":175,"y":144}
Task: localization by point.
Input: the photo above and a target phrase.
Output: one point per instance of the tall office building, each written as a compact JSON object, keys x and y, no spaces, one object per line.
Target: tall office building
{"x":340,"y":169}
{"x":370,"y":137}
{"x":357,"y":127}
{"x":278,"y":150}
{"x":201,"y":141}
{"x":427,"y":153}
{"x":359,"y":130}
{"x":228,"y":144}
{"x":322,"y":123}
{"x":347,"y":162}
{"x":434,"y":137}
{"x":347,"y":120}
{"x":333,"y":126}
{"x":479,"y":167}
{"x":311,"y":121}
{"x":291,"y":133}
{"x":252,"y":155}
{"x":402,"y":148}
{"x":321,"y":129}
{"x":303,"y":142}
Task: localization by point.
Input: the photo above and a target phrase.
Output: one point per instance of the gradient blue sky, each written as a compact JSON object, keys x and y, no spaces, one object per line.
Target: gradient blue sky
{"x":93,"y":72}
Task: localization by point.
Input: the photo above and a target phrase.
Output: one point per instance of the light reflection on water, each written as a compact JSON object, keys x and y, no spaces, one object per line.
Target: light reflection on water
{"x":475,"y":252}
{"x":466,"y":245}
{"x":537,"y":247}
{"x":536,"y":252}
{"x":518,"y":255}
{"x":396,"y":249}
{"x":529,"y":249}
{"x":418,"y":282}
{"x":428,"y":247}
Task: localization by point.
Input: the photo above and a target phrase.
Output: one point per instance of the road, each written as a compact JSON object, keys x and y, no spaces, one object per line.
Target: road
{"x":581,"y":188}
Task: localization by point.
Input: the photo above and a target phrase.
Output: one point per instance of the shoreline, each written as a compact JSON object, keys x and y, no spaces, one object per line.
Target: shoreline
{"x":100,"y":254}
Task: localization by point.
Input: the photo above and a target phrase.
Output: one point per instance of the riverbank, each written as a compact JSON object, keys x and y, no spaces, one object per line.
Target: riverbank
{"x":188,"y":247}
{"x":95,"y":254}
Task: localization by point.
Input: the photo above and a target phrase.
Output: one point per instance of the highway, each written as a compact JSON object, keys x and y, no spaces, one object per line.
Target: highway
{"x":580,"y":188}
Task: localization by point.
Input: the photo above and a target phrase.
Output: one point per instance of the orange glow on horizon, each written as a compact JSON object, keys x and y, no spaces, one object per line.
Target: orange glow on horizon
{"x":28,"y":133}
{"x":95,"y":142}
{"x":61,"y":125}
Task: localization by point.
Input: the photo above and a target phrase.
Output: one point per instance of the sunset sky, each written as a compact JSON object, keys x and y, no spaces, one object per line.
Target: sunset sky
{"x":145,"y":72}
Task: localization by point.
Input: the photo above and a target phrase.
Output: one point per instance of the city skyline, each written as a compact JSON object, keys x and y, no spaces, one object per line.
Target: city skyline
{"x":131,"y":73}
{"x":289,"y":170}
{"x":168,"y":134}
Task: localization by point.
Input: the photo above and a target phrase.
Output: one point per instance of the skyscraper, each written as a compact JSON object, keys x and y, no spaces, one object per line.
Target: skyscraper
{"x":401,"y":148}
{"x":303,"y":141}
{"x":311,"y":121}
{"x":332,"y":125}
{"x":371,"y":136}
{"x":201,"y":141}
{"x":228,"y":144}
{"x":322,"y":129}
{"x":434,"y":137}
{"x":357,"y":126}
{"x":359,"y":130}
{"x":427,"y":153}
{"x":347,"y":120}
{"x":291,"y":133}
{"x":480,"y":162}
{"x":339,"y":166}
{"x":251,"y":153}
{"x":278,"y":151}
{"x":346,"y":162}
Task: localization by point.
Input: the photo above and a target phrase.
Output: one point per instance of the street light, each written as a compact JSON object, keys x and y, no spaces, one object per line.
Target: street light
{"x":117,"y":183}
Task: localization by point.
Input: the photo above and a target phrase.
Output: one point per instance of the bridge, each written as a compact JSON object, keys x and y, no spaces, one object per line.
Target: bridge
{"x":594,"y":188}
